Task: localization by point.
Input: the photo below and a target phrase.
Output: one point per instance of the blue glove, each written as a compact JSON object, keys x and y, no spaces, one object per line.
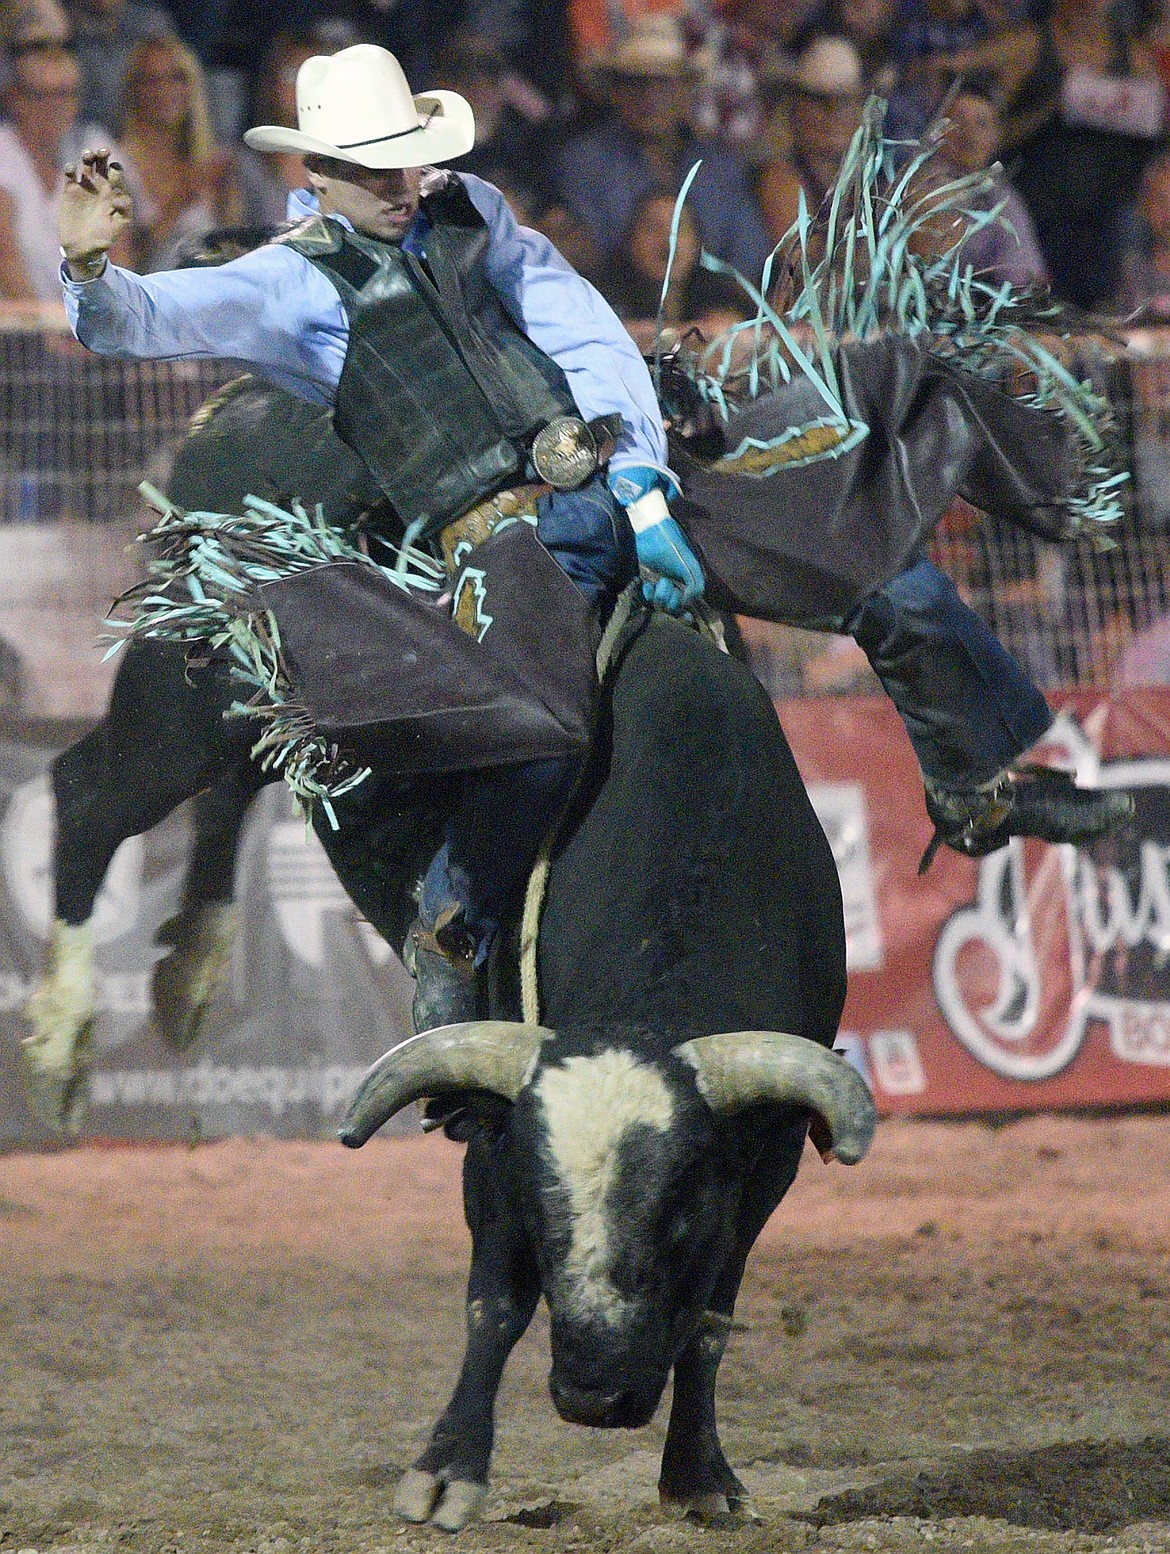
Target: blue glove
{"x":663,"y":550}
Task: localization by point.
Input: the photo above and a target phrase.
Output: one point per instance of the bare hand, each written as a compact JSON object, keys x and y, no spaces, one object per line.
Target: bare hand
{"x":95,"y":211}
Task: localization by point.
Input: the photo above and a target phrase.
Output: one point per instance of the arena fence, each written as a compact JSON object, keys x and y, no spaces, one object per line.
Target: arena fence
{"x":78,"y":432}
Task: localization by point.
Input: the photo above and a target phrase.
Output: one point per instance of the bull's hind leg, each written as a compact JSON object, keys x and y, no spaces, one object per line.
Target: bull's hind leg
{"x":163,"y":739}
{"x":200,"y":937}
{"x":449,"y":1481}
{"x":696,"y":1477}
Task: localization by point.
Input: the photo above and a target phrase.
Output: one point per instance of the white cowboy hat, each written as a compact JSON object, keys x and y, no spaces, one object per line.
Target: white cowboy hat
{"x":355,"y":105}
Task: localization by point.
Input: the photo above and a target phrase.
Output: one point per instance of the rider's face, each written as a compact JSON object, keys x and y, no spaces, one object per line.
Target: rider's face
{"x":382,"y":204}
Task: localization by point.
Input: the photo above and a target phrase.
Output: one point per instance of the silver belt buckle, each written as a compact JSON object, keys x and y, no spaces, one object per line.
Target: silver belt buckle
{"x":564,"y":453}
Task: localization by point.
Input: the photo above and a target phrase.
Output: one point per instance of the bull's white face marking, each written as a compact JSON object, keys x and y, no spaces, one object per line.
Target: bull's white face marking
{"x":590,"y":1105}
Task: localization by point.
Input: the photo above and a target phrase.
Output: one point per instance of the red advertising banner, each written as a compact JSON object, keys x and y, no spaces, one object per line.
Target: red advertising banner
{"x":1037,"y":978}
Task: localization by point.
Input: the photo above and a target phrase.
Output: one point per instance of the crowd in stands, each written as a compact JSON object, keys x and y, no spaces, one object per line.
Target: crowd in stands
{"x":591,"y":112}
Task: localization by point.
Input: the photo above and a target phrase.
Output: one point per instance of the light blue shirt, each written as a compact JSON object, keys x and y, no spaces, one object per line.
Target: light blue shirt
{"x":273,"y":309}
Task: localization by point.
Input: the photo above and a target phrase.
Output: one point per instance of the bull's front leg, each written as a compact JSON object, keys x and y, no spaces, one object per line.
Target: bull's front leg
{"x":696,"y":1478}
{"x":449,"y":1481}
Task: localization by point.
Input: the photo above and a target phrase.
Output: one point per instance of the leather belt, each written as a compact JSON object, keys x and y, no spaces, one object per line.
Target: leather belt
{"x":463,"y":534}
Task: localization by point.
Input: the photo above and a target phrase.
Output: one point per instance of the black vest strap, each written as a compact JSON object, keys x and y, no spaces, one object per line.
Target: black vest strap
{"x":440,"y":392}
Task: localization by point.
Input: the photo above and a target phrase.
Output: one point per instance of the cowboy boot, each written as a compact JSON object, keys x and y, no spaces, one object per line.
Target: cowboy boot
{"x":442,"y":962}
{"x":1038,"y":801}
{"x":55,"y":1055}
{"x":184,"y":982}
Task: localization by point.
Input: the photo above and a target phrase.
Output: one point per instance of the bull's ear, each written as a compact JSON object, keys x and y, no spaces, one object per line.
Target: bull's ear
{"x":746,"y":1068}
{"x":494,"y":1055}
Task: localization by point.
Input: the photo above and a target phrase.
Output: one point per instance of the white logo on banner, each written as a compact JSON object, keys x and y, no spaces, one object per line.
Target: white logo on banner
{"x":304,"y":888}
{"x":1113,"y":923}
{"x":896,"y":1063}
{"x":841,"y":810}
{"x":26,"y":856}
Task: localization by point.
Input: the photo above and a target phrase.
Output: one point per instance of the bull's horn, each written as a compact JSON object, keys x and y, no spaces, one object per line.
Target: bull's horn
{"x":494,"y":1055}
{"x":744,"y":1068}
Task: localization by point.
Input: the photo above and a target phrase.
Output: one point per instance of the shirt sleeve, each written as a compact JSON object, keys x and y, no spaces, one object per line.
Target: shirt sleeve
{"x":270,"y":308}
{"x":571,"y":321}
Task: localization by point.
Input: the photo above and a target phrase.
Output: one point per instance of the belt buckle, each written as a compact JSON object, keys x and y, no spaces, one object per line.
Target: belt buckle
{"x":564,"y":453}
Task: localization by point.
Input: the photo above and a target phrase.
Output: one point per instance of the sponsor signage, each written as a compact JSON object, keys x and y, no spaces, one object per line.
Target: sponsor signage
{"x":313,"y":996}
{"x":1037,"y":977}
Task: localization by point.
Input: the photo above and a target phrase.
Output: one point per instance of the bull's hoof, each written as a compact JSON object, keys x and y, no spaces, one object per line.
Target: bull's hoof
{"x":712,"y":1508}
{"x":185,"y":981}
{"x":425,"y":1497}
{"x":55,"y":1055}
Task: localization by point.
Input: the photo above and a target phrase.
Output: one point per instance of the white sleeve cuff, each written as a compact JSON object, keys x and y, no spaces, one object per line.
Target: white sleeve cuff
{"x":68,"y":280}
{"x":647,"y":511}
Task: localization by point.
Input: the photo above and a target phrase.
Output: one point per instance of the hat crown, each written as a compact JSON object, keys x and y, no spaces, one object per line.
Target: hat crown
{"x":355,"y":96}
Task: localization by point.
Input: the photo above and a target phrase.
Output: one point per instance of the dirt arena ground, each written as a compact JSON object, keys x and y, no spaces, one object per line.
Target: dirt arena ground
{"x":963,"y":1343}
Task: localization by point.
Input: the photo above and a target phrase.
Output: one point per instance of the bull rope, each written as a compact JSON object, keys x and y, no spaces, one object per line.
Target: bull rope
{"x":707,"y":622}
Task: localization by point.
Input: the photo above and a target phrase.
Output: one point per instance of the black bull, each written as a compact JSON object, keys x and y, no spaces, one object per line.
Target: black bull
{"x":625,"y":1164}
{"x":622,"y":1158}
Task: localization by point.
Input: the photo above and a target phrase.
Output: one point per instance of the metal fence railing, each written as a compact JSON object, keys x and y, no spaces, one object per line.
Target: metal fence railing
{"x":78,"y":432}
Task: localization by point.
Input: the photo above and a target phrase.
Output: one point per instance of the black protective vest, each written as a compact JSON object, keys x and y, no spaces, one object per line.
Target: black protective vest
{"x":440,"y":392}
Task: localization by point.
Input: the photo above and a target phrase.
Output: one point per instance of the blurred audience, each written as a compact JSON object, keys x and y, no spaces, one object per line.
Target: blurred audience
{"x":872,"y":27}
{"x":43,"y":131}
{"x":105,"y":34}
{"x":266,"y":180}
{"x":511,"y":128}
{"x":745,"y":51}
{"x":1145,"y":247}
{"x":1084,"y":110}
{"x":24,"y":22}
{"x":646,"y":142}
{"x":166,"y":131}
{"x":1006,"y":248}
{"x":825,"y":100}
{"x":633,"y":280}
{"x":929,"y":32}
{"x":570,"y":237}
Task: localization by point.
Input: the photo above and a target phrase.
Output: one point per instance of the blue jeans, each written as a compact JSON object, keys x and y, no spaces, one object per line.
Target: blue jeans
{"x":969,"y":708}
{"x":504,"y":814}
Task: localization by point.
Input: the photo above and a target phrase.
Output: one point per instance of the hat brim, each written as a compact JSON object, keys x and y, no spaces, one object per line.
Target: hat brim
{"x":448,"y":131}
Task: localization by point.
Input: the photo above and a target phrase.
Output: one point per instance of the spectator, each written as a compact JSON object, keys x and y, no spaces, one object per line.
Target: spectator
{"x":41,"y":134}
{"x":166,"y":131}
{"x":748,"y":49}
{"x":1084,"y":111}
{"x":633,"y":281}
{"x":571,"y":238}
{"x":928,"y":33}
{"x":597,"y":27}
{"x":1006,"y":249}
{"x":507,"y":141}
{"x":1146,"y":246}
{"x":824,"y":111}
{"x":25,"y":22}
{"x":646,"y":142}
{"x":266,"y":180}
{"x":872,"y":28}
{"x":105,"y":34}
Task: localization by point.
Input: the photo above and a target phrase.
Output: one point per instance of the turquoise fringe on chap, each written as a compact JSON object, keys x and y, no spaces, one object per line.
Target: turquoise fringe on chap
{"x":854,"y":272}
